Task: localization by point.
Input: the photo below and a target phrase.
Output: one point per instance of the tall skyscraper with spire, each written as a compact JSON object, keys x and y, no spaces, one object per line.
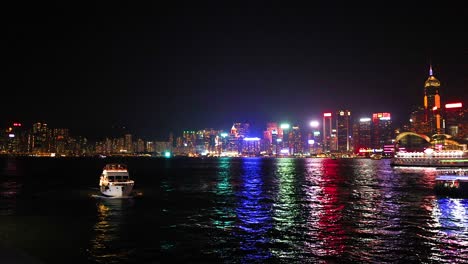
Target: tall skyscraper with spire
{"x":432,"y":102}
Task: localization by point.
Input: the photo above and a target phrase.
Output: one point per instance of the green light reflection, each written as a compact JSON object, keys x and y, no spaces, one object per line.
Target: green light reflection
{"x":224,"y":214}
{"x":286,"y":209}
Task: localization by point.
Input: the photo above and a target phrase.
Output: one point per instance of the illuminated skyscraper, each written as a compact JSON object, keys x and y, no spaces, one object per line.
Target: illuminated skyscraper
{"x":455,"y":120}
{"x":327,"y":132}
{"x":382,"y":130}
{"x":16,"y":139}
{"x":39,"y":138}
{"x":432,"y":102}
{"x":271,"y":135}
{"x":363,"y":135}
{"x":344,"y":130}
{"x":296,"y":145}
{"x":60,"y":138}
{"x":241,"y":129}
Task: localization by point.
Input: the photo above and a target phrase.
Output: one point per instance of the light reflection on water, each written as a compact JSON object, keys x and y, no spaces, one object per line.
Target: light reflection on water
{"x":325,"y":210}
{"x":10,"y":186}
{"x":224,"y":214}
{"x":254,"y":219}
{"x":238,"y":210}
{"x":286,"y":210}
{"x":106,"y":246}
{"x":450,"y":220}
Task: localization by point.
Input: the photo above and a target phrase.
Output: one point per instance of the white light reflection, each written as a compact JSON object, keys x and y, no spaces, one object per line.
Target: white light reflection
{"x":451,"y":219}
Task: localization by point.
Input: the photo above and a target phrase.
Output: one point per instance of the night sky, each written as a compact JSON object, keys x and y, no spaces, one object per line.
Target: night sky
{"x":160,"y":69}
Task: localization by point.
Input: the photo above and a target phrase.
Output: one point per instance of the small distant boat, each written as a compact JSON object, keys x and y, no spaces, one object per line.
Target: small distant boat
{"x":452,"y":181}
{"x":376,"y":156}
{"x":115,"y":181}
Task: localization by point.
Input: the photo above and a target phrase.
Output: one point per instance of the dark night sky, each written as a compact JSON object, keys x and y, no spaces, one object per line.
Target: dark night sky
{"x":156,"y":69}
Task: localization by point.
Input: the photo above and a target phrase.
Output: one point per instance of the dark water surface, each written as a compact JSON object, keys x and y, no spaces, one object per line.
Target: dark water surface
{"x":230,"y":210}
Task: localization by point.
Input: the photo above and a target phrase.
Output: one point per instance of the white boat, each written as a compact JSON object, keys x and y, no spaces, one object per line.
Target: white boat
{"x":431,"y":158}
{"x":115,"y":181}
{"x":452,"y":181}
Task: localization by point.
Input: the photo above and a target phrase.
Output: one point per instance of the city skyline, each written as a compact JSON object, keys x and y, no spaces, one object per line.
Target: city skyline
{"x":162,"y":70}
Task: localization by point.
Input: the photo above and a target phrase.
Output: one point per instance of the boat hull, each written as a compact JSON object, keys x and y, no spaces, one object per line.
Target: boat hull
{"x":121,"y":190}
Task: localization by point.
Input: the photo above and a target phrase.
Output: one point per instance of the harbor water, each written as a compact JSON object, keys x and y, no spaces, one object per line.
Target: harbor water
{"x":229,"y":210}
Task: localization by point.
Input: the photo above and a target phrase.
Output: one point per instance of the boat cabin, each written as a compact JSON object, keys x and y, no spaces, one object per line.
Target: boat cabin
{"x":115,"y":166}
{"x":118,"y":178}
{"x":452,"y":181}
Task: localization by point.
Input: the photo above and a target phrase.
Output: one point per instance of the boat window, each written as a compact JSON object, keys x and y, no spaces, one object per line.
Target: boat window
{"x":111,"y":178}
{"x":118,"y":178}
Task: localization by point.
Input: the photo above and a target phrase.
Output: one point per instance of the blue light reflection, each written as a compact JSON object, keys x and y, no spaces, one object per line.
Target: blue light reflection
{"x":253,"y":214}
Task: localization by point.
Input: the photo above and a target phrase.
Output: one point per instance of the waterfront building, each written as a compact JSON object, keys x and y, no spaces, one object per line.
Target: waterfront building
{"x":149,"y":146}
{"x":239,"y":131}
{"x":118,"y":145}
{"x":250,"y":146}
{"x":201,"y":143}
{"x":15,"y":139}
{"x":272,"y":127}
{"x":39,"y":139}
{"x":382,"y":130}
{"x":327,"y":132}
{"x":80,"y":146}
{"x":140,"y":146}
{"x":161,"y":147}
{"x":273,"y":136}
{"x":343,"y":130}
{"x":455,"y":120}
{"x":189,"y":139}
{"x":296,"y":145}
{"x":60,"y":140}
{"x":363,"y":136}
{"x":417,"y":122}
{"x":128,"y":143}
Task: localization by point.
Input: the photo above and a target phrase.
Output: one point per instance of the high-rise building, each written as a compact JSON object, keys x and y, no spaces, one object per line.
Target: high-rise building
{"x":363,"y":137}
{"x":455,"y":119}
{"x":241,"y":129}
{"x":296,"y":145}
{"x":16,"y":139}
{"x":60,"y":138}
{"x":250,"y":146}
{"x":272,"y":128}
{"x":272,"y":133}
{"x":140,"y":146}
{"x":327,"y":132}
{"x":417,"y":122}
{"x":432,"y":103}
{"x":382,"y":130}
{"x":128,"y":143}
{"x":188,"y":139}
{"x":39,"y":138}
{"x":149,"y":146}
{"x":344,"y":130}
